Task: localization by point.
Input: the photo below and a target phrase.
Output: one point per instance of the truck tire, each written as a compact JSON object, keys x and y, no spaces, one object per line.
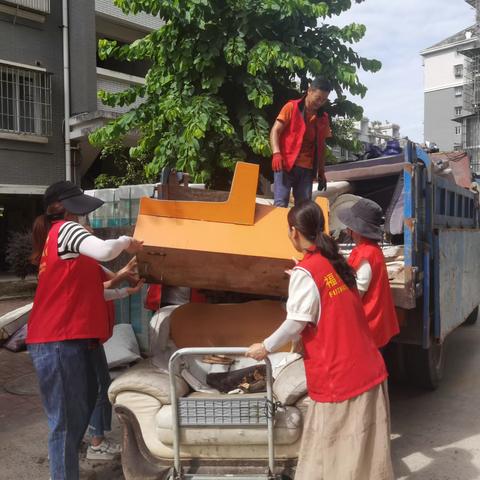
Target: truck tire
{"x":472,"y":318}
{"x":425,"y":366}
{"x":394,"y":356}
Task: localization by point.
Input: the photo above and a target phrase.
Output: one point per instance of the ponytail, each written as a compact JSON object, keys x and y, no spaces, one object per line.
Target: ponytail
{"x":308,"y":219}
{"x":40,"y":229}
{"x":328,"y":247}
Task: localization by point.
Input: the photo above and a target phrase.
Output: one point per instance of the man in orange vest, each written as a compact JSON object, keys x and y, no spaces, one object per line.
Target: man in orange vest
{"x":297,"y":139}
{"x":363,"y":222}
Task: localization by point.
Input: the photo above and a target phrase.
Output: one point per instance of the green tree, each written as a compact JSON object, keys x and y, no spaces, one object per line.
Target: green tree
{"x":122,"y":168}
{"x":220,"y":71}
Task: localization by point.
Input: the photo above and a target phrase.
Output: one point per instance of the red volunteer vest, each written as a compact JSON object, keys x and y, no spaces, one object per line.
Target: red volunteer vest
{"x":69,"y":302}
{"x":341,"y":360}
{"x":292,"y":137}
{"x":153,"y":299}
{"x":378,"y":300}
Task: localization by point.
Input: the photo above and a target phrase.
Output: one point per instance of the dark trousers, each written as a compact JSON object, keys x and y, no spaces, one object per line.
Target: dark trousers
{"x":299,"y":180}
{"x":68,"y":387}
{"x":101,"y":419}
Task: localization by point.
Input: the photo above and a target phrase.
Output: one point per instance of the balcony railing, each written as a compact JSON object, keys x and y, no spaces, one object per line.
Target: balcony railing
{"x":112,"y":81}
{"x":35,"y":5}
{"x":141,"y":21}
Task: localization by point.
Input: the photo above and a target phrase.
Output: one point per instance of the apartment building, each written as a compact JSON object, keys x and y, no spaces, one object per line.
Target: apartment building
{"x":444,"y":77}
{"x":469,"y":121}
{"x":34,"y":150}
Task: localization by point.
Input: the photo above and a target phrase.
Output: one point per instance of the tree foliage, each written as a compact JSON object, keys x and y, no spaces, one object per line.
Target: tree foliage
{"x":126,"y":170}
{"x":17,"y":254}
{"x":220,"y":72}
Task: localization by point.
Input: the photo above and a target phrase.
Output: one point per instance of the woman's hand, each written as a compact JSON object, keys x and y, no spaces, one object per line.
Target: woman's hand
{"x":136,"y":288}
{"x":129,"y":272}
{"x":135,"y":246}
{"x":257,"y":351}
{"x":290,"y":270}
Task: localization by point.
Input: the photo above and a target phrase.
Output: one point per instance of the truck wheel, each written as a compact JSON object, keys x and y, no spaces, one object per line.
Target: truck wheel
{"x":394,"y":356}
{"x":472,"y":318}
{"x":425,"y":366}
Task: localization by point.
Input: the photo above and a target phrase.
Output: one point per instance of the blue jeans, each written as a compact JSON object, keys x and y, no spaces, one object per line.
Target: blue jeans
{"x":101,"y":419}
{"x":68,"y":388}
{"x":298,"y":179}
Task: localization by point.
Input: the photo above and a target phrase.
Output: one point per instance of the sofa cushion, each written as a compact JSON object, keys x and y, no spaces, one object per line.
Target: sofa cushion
{"x":287,"y":429}
{"x":290,"y":383}
{"x":146,"y":378}
{"x":122,"y":347}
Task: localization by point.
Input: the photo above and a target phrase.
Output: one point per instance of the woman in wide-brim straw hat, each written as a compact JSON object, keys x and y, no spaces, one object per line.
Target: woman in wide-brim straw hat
{"x":364,"y":222}
{"x":69,"y":318}
{"x":346,"y":433}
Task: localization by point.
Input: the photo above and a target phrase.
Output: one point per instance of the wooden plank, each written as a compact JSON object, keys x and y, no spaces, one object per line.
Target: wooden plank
{"x":226,"y":325}
{"x":177,"y":192}
{"x":267,"y":237}
{"x":238,"y":209}
{"x":215,"y":271}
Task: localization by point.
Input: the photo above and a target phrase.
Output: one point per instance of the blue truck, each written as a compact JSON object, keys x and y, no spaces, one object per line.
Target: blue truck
{"x":437,"y":223}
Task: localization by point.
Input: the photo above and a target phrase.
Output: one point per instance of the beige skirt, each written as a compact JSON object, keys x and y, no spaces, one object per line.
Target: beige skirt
{"x":348,"y":440}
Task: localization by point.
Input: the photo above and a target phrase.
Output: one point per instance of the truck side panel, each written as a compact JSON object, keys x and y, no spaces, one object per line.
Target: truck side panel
{"x":458,"y":277}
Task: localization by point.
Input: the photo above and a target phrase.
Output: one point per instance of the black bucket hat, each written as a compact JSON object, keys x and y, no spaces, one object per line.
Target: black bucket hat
{"x":71,"y":196}
{"x":364,"y":218}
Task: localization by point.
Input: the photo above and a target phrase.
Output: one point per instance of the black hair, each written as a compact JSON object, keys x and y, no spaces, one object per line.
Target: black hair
{"x":307,"y":217}
{"x":321,"y":83}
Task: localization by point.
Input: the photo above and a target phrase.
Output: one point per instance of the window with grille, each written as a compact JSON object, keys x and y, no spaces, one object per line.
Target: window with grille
{"x":458,"y":130}
{"x":458,"y":70}
{"x":25,"y":101}
{"x":458,"y":111}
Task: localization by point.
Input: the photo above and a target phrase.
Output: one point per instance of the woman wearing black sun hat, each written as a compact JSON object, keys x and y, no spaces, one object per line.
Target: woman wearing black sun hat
{"x":69,"y":318}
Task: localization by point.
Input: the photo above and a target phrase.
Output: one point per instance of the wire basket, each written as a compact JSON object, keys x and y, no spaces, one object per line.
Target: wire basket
{"x":229,"y":412}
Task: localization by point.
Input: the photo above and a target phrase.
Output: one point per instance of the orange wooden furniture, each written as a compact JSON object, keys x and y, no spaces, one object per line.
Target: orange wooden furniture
{"x":238,"y":209}
{"x":212,"y":245}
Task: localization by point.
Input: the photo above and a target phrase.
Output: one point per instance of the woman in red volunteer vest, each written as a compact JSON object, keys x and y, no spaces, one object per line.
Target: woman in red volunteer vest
{"x":69,"y":318}
{"x":346,"y":433}
{"x":363,"y":222}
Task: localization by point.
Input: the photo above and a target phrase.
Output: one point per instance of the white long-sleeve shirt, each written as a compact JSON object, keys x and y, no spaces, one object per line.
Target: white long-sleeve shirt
{"x":364,"y":277}
{"x":303,"y":306}
{"x":73,"y":240}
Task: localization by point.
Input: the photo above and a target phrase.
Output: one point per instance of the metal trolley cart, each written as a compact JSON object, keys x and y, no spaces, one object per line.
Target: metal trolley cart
{"x":231,"y":411}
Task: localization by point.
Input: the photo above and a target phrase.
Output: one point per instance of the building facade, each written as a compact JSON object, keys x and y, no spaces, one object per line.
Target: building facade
{"x":444,"y":76}
{"x":33,"y":151}
{"x":469,"y":121}
{"x":452,"y":92}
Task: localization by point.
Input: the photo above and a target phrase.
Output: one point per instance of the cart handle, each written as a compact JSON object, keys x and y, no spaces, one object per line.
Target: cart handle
{"x":182,"y":352}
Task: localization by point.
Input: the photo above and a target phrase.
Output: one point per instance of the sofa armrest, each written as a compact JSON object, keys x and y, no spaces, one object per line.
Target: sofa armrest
{"x":291,"y":383}
{"x":148,"y":379}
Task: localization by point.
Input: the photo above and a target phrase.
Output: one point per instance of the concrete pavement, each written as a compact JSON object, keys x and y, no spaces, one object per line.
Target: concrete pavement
{"x":436,"y":435}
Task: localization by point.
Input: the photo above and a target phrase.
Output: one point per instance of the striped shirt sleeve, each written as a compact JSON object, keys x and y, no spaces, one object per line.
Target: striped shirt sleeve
{"x":70,"y":237}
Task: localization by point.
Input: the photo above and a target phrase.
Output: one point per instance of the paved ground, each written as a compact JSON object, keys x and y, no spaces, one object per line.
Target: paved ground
{"x":436,"y":435}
